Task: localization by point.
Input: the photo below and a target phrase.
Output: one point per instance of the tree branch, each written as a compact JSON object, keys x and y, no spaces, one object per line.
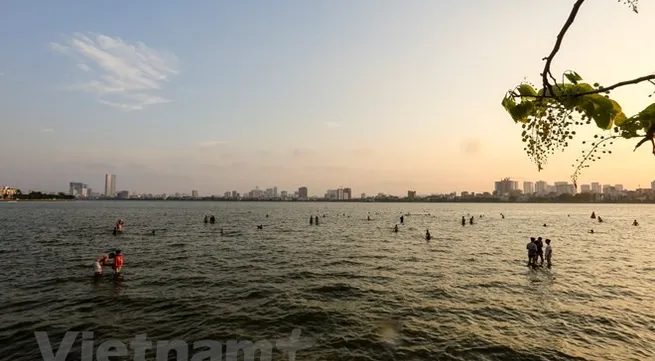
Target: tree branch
{"x":634,"y":81}
{"x":558,"y":44}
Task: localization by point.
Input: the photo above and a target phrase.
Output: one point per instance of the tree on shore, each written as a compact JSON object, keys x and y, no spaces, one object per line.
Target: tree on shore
{"x":548,"y":115}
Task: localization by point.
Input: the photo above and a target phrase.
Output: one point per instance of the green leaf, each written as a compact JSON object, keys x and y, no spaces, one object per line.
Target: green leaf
{"x":527,"y":90}
{"x":600,"y":109}
{"x":521,"y":111}
{"x":648,"y":114}
{"x":508,"y":103}
{"x":573,"y":77}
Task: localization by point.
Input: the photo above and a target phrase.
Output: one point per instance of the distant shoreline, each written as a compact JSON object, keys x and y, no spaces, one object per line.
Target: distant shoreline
{"x":35,"y":200}
{"x":554,"y":201}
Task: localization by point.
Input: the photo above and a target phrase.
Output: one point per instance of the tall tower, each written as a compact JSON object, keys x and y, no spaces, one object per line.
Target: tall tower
{"x":110,"y":185}
{"x":107,"y":185}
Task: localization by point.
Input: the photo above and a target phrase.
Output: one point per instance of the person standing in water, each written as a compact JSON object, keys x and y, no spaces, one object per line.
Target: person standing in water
{"x":402,"y":219}
{"x":532,"y":252}
{"x":101,"y":261}
{"x":311,"y":220}
{"x":427,"y":235}
{"x":549,"y":252}
{"x":316,"y":220}
{"x":540,"y":250}
{"x":395,"y":229}
{"x":118,"y":262}
{"x":463,"y":221}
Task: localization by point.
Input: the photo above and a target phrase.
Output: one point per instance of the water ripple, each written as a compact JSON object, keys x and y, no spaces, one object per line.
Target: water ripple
{"x":360,"y":291}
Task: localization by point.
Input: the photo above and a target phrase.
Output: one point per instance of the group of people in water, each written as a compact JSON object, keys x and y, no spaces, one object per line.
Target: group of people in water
{"x":536,"y":251}
{"x":113,"y":259}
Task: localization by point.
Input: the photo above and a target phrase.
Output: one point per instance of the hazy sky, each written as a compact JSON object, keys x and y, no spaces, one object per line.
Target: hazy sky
{"x":378,"y":95}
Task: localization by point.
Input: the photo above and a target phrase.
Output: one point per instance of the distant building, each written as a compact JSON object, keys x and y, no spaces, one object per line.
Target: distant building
{"x":652,"y":186}
{"x":123,"y":195}
{"x":332,"y":194}
{"x":235,"y":195}
{"x":302,"y":193}
{"x":541,"y":188}
{"x":363,"y":196}
{"x":283,"y":194}
{"x":619,"y":187}
{"x":585,"y":188}
{"x":528,"y":187}
{"x":194,"y":194}
{"x":411,"y":194}
{"x":77,"y":190}
{"x":347,"y":194}
{"x":110,"y":185}
{"x":595,"y":188}
{"x":275,"y":194}
{"x":227,"y":195}
{"x":505,"y":186}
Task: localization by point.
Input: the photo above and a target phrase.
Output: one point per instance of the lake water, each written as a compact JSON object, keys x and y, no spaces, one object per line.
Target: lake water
{"x":465,"y":295}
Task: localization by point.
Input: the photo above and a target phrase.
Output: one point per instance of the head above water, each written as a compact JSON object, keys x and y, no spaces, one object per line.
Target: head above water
{"x":539,"y":238}
{"x":532,"y":239}
{"x":119,"y":252}
{"x":548,"y":241}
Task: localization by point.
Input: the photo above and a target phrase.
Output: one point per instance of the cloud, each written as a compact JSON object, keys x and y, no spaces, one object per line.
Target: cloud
{"x":47,"y":130}
{"x":210,"y":143}
{"x":332,"y":124}
{"x":83,"y":67}
{"x":123,"y":75}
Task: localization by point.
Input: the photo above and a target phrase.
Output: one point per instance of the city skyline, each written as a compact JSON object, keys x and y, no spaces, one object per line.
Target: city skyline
{"x":376,"y":97}
{"x":503,"y":186}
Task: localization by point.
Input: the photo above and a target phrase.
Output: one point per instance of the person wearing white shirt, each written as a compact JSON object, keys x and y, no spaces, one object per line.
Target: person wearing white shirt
{"x":549,"y":252}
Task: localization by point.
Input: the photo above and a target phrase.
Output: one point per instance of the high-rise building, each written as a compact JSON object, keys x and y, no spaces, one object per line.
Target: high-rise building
{"x":528,"y":187}
{"x":505,"y":186}
{"x":77,"y":189}
{"x":347,"y":194}
{"x":585,"y":188}
{"x":411,"y":194}
{"x":194,"y":193}
{"x":619,"y":187}
{"x":275,"y":194}
{"x":541,"y":188}
{"x":302,"y":193}
{"x":110,"y":185}
{"x":595,"y":187}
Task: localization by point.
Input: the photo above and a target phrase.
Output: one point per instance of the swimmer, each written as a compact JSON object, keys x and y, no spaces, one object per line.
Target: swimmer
{"x":395,"y":229}
{"x":427,"y":235}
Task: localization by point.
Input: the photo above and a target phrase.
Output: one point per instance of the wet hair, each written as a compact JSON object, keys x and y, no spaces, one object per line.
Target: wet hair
{"x":548,"y":241}
{"x":532,"y":239}
{"x":539,"y":238}
{"x":119,"y":252}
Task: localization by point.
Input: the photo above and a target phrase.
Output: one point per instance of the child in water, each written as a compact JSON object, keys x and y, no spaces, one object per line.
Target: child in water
{"x":102,"y":261}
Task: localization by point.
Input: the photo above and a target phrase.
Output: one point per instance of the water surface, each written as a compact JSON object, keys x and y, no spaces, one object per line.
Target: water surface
{"x":465,"y":295}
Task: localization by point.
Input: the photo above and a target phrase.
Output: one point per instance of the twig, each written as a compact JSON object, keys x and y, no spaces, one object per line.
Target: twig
{"x":578,"y":169}
{"x":558,"y":44}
